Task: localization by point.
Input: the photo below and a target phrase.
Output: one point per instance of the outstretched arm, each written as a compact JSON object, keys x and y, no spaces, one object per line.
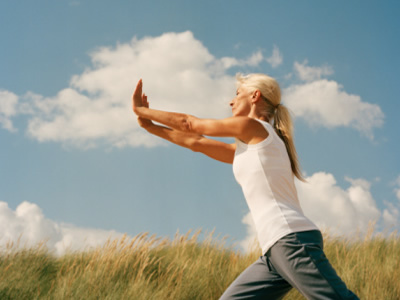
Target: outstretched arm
{"x":243,"y":128}
{"x":215,"y":149}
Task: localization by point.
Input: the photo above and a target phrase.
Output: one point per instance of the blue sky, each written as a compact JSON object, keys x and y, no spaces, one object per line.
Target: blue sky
{"x":74,"y":163}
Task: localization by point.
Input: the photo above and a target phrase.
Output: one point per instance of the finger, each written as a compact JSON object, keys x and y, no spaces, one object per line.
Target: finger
{"x":138,"y":90}
{"x":144,"y":99}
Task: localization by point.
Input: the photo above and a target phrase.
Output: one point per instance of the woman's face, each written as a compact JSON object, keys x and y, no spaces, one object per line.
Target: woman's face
{"x":241,"y":104}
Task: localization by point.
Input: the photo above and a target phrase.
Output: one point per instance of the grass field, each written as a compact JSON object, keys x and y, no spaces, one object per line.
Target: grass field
{"x":147,"y":267}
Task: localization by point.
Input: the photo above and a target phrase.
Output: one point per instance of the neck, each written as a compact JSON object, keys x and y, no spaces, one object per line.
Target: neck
{"x":256,"y":115}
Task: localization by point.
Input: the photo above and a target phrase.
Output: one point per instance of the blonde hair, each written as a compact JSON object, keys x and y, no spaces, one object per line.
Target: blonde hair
{"x":274,"y":110}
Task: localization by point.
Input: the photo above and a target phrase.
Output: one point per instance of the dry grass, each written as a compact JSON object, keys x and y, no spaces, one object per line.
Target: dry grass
{"x":147,"y":267}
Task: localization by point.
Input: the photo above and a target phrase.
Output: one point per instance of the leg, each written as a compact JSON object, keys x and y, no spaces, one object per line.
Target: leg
{"x":300,"y":260}
{"x":258,"y":281}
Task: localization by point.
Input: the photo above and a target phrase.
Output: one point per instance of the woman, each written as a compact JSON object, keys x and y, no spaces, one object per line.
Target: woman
{"x":264,"y":163}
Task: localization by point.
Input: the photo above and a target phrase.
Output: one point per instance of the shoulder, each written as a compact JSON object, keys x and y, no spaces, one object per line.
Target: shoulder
{"x":254,"y":130}
{"x":245,"y":122}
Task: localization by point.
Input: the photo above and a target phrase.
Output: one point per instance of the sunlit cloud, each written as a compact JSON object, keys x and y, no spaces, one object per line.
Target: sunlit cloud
{"x":28,"y":227}
{"x":343,"y":212}
{"x":252,"y":61}
{"x":179,"y":74}
{"x":308,"y":73}
{"x":8,"y":108}
{"x":325,"y":103}
{"x":276,"y":58}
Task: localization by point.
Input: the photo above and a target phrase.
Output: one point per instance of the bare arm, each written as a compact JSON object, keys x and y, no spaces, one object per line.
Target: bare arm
{"x":243,"y":128}
{"x":215,"y":149}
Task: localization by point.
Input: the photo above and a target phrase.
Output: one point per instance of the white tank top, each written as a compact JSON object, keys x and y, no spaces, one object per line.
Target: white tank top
{"x":264,"y":173}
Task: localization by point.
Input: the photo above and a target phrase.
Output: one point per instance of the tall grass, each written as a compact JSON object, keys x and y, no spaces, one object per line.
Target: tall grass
{"x":147,"y":267}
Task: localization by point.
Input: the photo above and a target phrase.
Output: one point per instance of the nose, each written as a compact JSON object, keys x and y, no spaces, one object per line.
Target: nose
{"x":231,"y":103}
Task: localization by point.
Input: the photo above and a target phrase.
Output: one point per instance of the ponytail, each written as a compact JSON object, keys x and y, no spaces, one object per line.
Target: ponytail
{"x":283,"y":126}
{"x":273,"y":109}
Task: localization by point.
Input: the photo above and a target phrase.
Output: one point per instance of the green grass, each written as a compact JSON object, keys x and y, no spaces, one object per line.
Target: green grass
{"x":185,"y":268}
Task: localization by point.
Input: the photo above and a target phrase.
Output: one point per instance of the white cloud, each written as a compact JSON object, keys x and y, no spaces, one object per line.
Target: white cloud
{"x":8,"y":108}
{"x":342,"y":212}
{"x":228,"y":62}
{"x":255,"y":59}
{"x":250,"y":242}
{"x":324,"y":103}
{"x":179,"y":74}
{"x":308,"y":73}
{"x":27,"y":227}
{"x":276,"y":58}
{"x":391,"y":215}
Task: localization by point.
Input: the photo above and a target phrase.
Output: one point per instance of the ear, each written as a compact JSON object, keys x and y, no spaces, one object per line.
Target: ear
{"x":256,"y":96}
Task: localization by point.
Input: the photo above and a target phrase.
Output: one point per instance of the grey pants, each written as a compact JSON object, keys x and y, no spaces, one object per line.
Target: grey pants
{"x":296,"y":260}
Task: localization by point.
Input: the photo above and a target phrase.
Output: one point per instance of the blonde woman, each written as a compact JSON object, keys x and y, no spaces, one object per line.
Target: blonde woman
{"x":264,"y":164}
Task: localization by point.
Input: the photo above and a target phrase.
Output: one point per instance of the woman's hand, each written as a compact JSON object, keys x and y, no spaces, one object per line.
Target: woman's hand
{"x":145,"y":123}
{"x":137,"y":97}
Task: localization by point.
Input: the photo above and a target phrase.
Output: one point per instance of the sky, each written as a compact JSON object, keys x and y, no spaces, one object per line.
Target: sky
{"x":76,"y":169}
